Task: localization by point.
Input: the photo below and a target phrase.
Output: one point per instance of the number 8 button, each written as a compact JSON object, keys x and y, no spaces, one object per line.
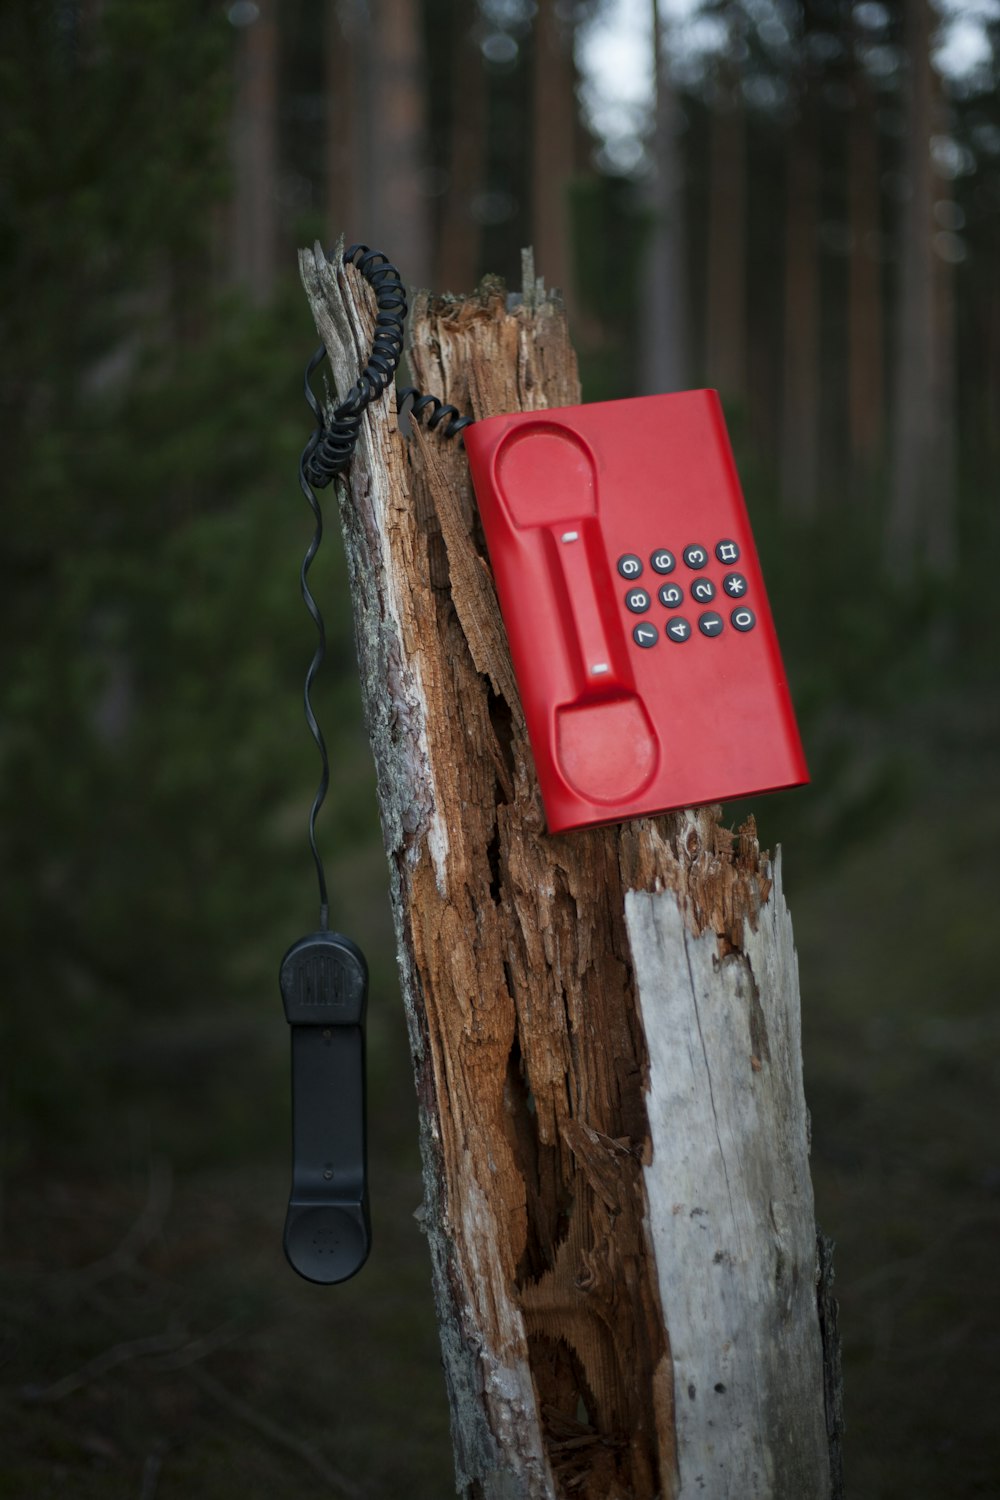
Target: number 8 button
{"x":638,"y":601}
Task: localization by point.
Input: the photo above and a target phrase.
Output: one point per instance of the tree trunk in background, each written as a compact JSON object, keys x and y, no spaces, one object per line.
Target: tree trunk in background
{"x":921,"y":519}
{"x":725,"y":318}
{"x":457,"y":259}
{"x":343,"y":106}
{"x":553,"y":146}
{"x":801,"y":374}
{"x":255,"y":154}
{"x":604,"y":1025}
{"x":396,"y":217}
{"x":865,"y":357}
{"x":663,"y":332}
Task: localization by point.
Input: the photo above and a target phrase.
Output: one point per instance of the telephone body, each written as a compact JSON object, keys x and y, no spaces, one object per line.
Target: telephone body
{"x":633,"y":599}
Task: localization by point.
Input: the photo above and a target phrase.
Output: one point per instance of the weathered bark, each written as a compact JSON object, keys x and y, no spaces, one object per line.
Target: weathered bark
{"x":602,"y":1145}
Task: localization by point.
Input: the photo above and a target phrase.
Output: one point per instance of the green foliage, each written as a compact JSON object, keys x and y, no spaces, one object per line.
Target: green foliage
{"x":153,"y":776}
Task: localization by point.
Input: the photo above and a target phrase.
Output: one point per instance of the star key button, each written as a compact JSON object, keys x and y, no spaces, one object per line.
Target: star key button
{"x":735,"y":585}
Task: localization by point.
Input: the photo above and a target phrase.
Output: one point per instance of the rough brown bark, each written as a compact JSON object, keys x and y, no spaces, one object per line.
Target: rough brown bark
{"x":519,"y":980}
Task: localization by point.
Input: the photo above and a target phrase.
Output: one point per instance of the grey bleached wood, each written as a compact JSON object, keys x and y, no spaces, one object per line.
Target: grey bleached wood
{"x":731,"y":1203}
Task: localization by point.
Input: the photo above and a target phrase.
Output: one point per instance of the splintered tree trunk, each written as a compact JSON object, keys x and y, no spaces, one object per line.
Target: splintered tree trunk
{"x":604,"y":1024}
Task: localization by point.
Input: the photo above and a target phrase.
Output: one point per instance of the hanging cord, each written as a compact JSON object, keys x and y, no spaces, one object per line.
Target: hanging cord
{"x":328,"y":453}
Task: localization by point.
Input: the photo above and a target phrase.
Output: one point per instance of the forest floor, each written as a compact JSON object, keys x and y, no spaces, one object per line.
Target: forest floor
{"x":156,"y":1347}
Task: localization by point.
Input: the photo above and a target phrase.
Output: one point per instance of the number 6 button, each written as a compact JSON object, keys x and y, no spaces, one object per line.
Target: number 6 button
{"x":638,"y":601}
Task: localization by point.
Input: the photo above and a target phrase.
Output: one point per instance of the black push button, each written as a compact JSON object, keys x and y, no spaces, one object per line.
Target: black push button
{"x":678,"y":629}
{"x":663,"y":561}
{"x":710,"y":623}
{"x":735,"y":585}
{"x":670,"y":595}
{"x":695,"y":556}
{"x":703,"y":590}
{"x":727,"y":551}
{"x":630,"y":566}
{"x":743,"y":619}
{"x":638,"y":601}
{"x":645,"y":635}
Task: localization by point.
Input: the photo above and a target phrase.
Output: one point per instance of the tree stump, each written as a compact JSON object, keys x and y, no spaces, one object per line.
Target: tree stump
{"x":604,"y":1025}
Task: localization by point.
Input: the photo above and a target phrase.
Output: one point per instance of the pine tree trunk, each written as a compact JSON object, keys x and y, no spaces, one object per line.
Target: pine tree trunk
{"x":255,"y":154}
{"x":553,"y":145}
{"x":604,"y":1025}
{"x":866,"y":385}
{"x":663,"y":331}
{"x":458,"y":252}
{"x":800,"y":403}
{"x":725,"y":319}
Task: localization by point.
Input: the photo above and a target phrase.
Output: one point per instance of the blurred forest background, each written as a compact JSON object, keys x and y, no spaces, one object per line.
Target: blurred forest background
{"x":800,"y":205}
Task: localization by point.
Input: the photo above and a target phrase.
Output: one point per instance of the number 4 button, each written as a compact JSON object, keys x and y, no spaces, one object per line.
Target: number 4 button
{"x":678,"y":629}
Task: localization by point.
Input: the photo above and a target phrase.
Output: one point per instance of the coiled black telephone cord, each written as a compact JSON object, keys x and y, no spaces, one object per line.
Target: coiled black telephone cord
{"x":329,"y":451}
{"x":324,"y":976}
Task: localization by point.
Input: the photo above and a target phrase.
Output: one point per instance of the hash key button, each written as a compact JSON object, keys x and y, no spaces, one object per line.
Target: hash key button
{"x":727,"y":551}
{"x":735,"y":585}
{"x":710,"y":623}
{"x":678,"y":629}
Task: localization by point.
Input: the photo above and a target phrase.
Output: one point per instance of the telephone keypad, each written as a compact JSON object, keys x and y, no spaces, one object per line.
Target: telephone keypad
{"x":701,"y":590}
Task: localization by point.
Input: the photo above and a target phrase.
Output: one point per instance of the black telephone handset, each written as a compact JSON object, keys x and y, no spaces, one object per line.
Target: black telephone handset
{"x":324,"y":986}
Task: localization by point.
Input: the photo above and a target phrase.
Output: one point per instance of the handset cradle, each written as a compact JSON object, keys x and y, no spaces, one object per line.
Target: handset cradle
{"x":324,"y":987}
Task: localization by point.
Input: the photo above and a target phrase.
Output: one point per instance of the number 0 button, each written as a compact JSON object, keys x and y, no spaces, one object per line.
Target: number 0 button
{"x":695,"y":556}
{"x":743,"y":619}
{"x":630,"y":566}
{"x":638,"y":601}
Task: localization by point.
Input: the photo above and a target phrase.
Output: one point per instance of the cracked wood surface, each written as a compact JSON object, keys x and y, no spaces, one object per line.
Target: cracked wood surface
{"x":544,"y":1149}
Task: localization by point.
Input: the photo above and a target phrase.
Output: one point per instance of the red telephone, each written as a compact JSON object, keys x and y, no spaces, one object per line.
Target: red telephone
{"x":634,"y":604}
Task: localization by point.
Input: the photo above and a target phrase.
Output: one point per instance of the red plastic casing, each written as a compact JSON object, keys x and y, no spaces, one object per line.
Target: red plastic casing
{"x":616,"y":729}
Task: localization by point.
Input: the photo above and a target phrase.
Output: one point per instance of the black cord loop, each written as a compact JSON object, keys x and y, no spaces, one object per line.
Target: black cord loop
{"x":335,"y":441}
